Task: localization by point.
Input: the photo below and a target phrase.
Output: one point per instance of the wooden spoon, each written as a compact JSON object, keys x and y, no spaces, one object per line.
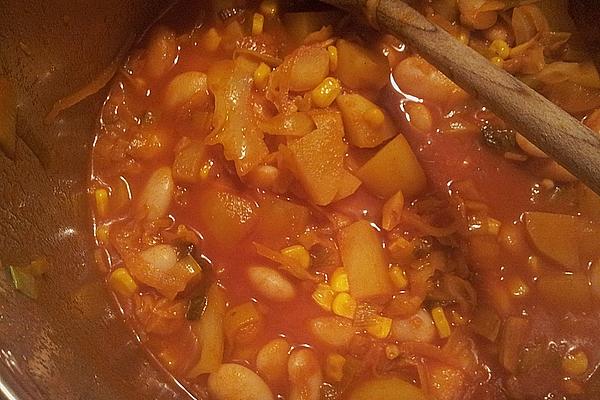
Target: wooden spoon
{"x":565,"y":139}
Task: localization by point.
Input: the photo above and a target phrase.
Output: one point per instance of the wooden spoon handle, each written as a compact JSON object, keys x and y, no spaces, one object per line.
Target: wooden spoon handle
{"x":565,"y":139}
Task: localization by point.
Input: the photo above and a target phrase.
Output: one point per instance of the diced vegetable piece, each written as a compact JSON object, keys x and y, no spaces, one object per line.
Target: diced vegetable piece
{"x":121,"y":282}
{"x":445,"y":382}
{"x":234,"y":119}
{"x":334,"y":367}
{"x":155,"y":199}
{"x":292,"y":124}
{"x":380,"y":327}
{"x":298,"y":253}
{"x":386,"y":388}
{"x":360,"y":130}
{"x":417,"y":77}
{"x":441,"y":322}
{"x":288,"y":264}
{"x":8,"y":118}
{"x":393,"y":168}
{"x":486,"y":323}
{"x":279,"y":219}
{"x":300,"y":24}
{"x":323,"y":296}
{"x":344,"y":305}
{"x":317,"y":160}
{"x":360,"y":68}
{"x":234,"y":381}
{"x":339,"y":280}
{"x":161,"y":52}
{"x":157,"y":266}
{"x":575,"y":363}
{"x":364,"y":261}
{"x":189,"y":88}
{"x":225,"y":217}
{"x":24,"y":282}
{"x":38,"y":266}
{"x":555,"y":236}
{"x":243,"y":324}
{"x":309,"y":69}
{"x":514,"y":334}
{"x":326,"y":92}
{"x":348,"y":185}
{"x":258,"y":23}
{"x":417,"y":328}
{"x":332,"y":331}
{"x":189,"y":163}
{"x":398,"y":276}
{"x":101,"y":197}
{"x":210,"y":334}
{"x":333,"y":58}
{"x":391,"y":213}
{"x":565,"y":291}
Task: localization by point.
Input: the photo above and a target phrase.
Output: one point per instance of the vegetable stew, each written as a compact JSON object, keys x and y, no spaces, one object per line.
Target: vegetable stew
{"x":290,"y":205}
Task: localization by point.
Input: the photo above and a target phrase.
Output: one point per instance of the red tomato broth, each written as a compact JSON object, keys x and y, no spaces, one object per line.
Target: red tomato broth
{"x":507,"y":188}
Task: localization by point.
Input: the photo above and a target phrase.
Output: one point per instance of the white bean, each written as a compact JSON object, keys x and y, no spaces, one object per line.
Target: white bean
{"x":160,"y":53}
{"x":333,"y":331}
{"x":155,"y":199}
{"x":236,"y":382}
{"x":418,"y":328}
{"x":272,"y":360}
{"x":271,"y":284}
{"x":184,"y":88}
{"x":305,"y":374}
{"x":161,"y":256}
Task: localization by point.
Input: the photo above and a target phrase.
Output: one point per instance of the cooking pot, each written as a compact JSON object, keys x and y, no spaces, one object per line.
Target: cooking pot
{"x":71,"y":343}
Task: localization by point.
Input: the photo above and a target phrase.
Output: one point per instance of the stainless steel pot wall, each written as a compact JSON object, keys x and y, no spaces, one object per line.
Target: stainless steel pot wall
{"x":70,"y":343}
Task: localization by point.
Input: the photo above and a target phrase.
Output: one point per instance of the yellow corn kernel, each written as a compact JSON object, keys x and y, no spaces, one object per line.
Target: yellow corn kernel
{"x":121,"y":282}
{"x":299,"y":254}
{"x":269,"y":8}
{"x":344,"y":305}
{"x":575,"y":364}
{"x":323,"y":95}
{"x":334,"y":367}
{"x":441,"y":323}
{"x":374,"y":117}
{"x":339,"y":280}
{"x":500,"y":48}
{"x":380,"y":327}
{"x":102,"y":233}
{"x":101,"y":196}
{"x":323,"y":296}
{"x":497,"y":61}
{"x":333,"y":58}
{"x":258,"y":23}
{"x":398,"y":276}
{"x":517,"y":287}
{"x":211,"y":40}
{"x":261,"y":76}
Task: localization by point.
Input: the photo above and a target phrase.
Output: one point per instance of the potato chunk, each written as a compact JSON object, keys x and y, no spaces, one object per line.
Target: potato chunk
{"x":365,"y":261}
{"x":317,"y":160}
{"x":395,"y":167}
{"x":225,"y":217}
{"x":386,"y":388}
{"x":359,"y":68}
{"x":360,"y":130}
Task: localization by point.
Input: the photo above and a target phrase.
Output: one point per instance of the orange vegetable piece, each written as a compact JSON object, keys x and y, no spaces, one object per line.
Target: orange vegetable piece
{"x":317,"y":159}
{"x":225,"y":217}
{"x":364,"y":261}
{"x":395,"y":167}
{"x":555,"y":236}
